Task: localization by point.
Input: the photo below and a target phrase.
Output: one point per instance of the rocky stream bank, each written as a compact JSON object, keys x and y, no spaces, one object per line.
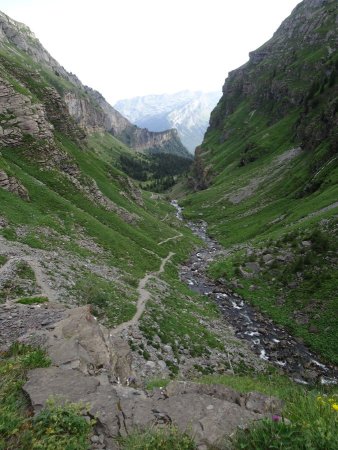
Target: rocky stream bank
{"x":269,"y":341}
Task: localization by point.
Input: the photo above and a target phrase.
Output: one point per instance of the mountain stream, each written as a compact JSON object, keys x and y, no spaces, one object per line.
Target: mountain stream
{"x":268,"y":340}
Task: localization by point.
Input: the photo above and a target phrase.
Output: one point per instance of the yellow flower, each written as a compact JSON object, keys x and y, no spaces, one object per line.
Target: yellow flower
{"x":335,"y":406}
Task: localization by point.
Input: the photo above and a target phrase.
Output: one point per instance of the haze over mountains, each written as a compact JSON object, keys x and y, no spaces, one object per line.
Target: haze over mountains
{"x":187,"y":111}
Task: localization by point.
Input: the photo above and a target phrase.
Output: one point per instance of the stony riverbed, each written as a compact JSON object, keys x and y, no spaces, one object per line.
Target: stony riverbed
{"x":268,"y":340}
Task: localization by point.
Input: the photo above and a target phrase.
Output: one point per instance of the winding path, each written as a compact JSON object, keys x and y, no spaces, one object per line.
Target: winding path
{"x":41,"y":280}
{"x":143,"y":297}
{"x":179,"y":235}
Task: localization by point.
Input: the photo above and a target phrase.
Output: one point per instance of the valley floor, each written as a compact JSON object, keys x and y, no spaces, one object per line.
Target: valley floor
{"x":176,"y":331}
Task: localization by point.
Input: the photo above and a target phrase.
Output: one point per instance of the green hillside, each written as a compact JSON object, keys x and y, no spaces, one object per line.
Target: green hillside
{"x":268,"y":170}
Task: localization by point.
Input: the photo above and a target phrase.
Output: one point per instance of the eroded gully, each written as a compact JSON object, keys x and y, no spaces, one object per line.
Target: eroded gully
{"x":268,"y":340}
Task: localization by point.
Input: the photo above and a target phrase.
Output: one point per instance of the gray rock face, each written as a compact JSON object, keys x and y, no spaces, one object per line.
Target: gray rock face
{"x":80,"y":342}
{"x":61,"y":384}
{"x":208,"y":413}
{"x":105,"y":118}
{"x":18,"y":116}
{"x":11,"y":184}
{"x":88,"y":365}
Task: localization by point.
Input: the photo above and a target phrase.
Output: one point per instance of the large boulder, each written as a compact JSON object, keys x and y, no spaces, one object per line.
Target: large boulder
{"x":80,"y":342}
{"x":59,"y":384}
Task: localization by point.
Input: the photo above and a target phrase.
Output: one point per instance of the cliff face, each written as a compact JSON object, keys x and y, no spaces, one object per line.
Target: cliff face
{"x":19,"y":116}
{"x":295,"y":70}
{"x":87,"y":107}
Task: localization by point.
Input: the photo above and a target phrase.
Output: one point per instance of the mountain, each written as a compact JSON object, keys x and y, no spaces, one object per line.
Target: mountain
{"x":86,"y":106}
{"x":186,"y":111}
{"x":91,"y":301}
{"x":115,"y":314}
{"x":267,"y":176}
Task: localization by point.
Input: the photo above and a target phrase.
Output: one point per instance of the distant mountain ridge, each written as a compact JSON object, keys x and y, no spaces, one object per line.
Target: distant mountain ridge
{"x":187,"y":111}
{"x":86,"y":106}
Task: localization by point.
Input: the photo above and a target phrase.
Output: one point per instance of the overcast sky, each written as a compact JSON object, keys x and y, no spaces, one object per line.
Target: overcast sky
{"x":126,"y":48}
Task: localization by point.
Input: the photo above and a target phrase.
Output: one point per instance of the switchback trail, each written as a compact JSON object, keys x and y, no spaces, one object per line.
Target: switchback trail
{"x":143,"y":297}
{"x":179,"y":235}
{"x":40,"y":278}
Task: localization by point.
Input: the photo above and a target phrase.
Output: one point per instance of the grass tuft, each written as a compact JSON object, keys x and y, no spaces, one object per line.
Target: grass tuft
{"x":54,"y":428}
{"x":32,"y":300}
{"x":169,"y":438}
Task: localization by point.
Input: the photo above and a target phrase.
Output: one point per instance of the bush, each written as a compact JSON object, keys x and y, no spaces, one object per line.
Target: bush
{"x":319,"y":240}
{"x":61,"y":428}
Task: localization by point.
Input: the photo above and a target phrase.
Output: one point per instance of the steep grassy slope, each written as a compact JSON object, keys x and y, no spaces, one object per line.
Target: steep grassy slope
{"x":268,"y":167}
{"x":60,"y":188}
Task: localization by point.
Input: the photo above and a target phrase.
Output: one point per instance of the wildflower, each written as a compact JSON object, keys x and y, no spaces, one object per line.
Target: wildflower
{"x":335,"y":406}
{"x":276,"y":418}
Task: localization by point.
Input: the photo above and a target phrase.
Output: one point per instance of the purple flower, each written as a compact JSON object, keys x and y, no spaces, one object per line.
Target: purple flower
{"x":276,"y":418}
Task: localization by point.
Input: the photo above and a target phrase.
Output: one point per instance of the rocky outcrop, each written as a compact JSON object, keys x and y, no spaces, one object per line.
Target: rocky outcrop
{"x":91,"y":190}
{"x":87,"y":115}
{"x":164,"y":141}
{"x":80,"y":342}
{"x":59,"y":115}
{"x":11,"y":184}
{"x":208,"y":413}
{"x":130,"y":191}
{"x":202,"y":173}
{"x":88,"y":367}
{"x":19,"y":116}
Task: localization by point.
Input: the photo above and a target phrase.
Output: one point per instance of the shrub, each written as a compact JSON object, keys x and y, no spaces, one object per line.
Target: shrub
{"x":319,"y":240}
{"x":3,"y":259}
{"x":146,"y":355}
{"x":61,"y":427}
